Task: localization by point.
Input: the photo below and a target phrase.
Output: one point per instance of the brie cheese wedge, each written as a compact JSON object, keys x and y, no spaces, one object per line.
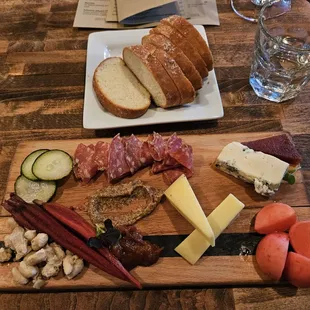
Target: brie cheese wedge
{"x":264,"y":171}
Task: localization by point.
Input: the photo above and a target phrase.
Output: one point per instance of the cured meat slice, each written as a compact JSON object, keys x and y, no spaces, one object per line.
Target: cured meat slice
{"x":84,"y":165}
{"x":146,"y":155}
{"x":167,"y":163}
{"x":133,"y":153}
{"x":101,"y":155}
{"x":117,"y":165}
{"x":173,"y":174}
{"x":157,"y":146}
{"x":173,"y":143}
{"x":177,"y":154}
{"x":280,"y":146}
{"x":184,"y":156}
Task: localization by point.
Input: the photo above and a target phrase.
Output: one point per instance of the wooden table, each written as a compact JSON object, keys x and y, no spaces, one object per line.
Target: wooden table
{"x":42,"y":73}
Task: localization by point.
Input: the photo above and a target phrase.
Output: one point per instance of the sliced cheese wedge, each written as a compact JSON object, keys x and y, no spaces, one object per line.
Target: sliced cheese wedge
{"x":264,"y":171}
{"x":181,"y":196}
{"x":196,"y":244}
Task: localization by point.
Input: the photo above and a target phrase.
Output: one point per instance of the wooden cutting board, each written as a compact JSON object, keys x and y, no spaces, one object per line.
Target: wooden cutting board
{"x":224,"y":264}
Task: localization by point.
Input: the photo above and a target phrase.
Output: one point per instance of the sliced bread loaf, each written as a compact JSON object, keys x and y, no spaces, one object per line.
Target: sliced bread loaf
{"x":176,"y":53}
{"x":177,"y":39}
{"x":184,"y":86}
{"x":152,"y":75}
{"x":118,"y":90}
{"x":192,"y":35}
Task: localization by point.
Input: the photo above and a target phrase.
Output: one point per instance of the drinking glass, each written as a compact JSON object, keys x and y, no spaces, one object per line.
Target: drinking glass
{"x":257,"y":4}
{"x":281,"y":60}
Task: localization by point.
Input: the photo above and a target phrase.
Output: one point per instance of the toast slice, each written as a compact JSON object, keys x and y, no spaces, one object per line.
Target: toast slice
{"x":118,"y":90}
{"x":163,"y":43}
{"x":192,"y":35}
{"x":177,"y":39}
{"x":153,"y":76}
{"x":184,"y":86}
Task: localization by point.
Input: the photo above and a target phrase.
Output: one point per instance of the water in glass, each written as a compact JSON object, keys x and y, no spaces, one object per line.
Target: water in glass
{"x":281,"y":62}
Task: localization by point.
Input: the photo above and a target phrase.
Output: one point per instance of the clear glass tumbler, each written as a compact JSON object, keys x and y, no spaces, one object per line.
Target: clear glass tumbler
{"x":281,"y":61}
{"x":259,"y":2}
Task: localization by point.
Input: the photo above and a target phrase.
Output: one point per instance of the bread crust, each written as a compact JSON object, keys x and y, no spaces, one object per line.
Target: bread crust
{"x":111,"y":106}
{"x":192,"y":35}
{"x":179,"y":40}
{"x":146,"y":55}
{"x":184,"y":86}
{"x":163,"y":43}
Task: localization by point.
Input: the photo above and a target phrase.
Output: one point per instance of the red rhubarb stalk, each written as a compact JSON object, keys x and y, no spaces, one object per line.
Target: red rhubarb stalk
{"x":71,"y":219}
{"x":44,"y":222}
{"x":18,"y":217}
{"x":78,"y":224}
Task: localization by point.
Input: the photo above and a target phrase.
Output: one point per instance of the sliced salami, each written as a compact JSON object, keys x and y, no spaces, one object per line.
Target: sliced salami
{"x":102,"y":155}
{"x":146,"y":158}
{"x":167,"y":163}
{"x":117,"y":165}
{"x":84,"y":165}
{"x":157,"y":146}
{"x":133,"y":149}
{"x":128,"y":155}
{"x":173,"y":143}
{"x":184,"y":156}
{"x":172,"y":175}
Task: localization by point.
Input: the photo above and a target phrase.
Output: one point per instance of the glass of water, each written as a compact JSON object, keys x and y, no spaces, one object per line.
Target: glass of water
{"x":257,"y":4}
{"x":281,"y":60}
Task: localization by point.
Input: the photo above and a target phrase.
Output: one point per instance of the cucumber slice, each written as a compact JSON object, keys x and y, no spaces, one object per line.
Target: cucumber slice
{"x":52,"y":165}
{"x":31,"y":190}
{"x":26,"y":168}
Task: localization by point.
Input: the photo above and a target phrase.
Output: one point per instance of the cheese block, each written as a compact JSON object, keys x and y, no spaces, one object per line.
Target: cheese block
{"x":196,"y":244}
{"x":182,"y":197}
{"x":264,"y":171}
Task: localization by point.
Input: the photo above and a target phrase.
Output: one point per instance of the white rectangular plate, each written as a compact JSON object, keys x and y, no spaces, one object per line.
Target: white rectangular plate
{"x":101,"y":45}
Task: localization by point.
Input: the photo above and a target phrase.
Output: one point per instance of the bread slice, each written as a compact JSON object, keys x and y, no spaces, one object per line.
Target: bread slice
{"x":192,"y":35}
{"x":118,"y":90}
{"x":150,"y":72}
{"x":184,"y":86}
{"x":163,"y":43}
{"x":176,"y":38}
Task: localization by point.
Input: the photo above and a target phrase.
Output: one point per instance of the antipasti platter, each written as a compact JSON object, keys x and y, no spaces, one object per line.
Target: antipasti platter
{"x":232,"y":261}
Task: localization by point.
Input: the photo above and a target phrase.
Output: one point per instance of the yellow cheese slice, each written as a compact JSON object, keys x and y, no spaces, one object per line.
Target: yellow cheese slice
{"x":196,"y":244}
{"x":181,"y":196}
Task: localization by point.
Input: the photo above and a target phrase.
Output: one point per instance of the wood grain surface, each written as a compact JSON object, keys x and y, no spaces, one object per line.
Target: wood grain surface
{"x":42,"y":71}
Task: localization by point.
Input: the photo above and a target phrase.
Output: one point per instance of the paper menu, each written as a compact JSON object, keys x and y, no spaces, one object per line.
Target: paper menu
{"x":141,"y":11}
{"x":104,"y":14}
{"x":112,"y":12}
{"x":202,"y":12}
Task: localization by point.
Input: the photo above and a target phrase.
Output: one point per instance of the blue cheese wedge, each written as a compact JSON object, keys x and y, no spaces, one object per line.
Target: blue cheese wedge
{"x":264,"y":171}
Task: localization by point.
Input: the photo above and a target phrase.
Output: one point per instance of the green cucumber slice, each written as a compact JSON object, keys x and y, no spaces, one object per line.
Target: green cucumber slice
{"x":26,"y":168}
{"x":52,"y":165}
{"x":30,"y":190}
